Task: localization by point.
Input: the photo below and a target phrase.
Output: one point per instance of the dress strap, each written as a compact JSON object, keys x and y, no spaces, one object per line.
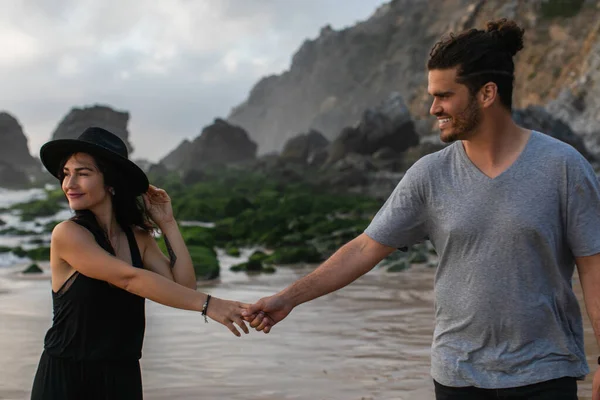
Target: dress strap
{"x":136,"y":257}
{"x":99,"y":235}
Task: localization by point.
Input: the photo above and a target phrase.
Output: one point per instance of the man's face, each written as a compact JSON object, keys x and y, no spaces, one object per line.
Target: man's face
{"x":457,"y":111}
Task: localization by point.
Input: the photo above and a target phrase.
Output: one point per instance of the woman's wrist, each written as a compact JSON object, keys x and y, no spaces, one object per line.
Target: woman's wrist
{"x":205,"y":305}
{"x":199,"y":301}
{"x":167,"y":225}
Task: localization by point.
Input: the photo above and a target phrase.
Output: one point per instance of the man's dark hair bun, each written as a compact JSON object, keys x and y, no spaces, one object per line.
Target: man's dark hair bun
{"x":508,"y":34}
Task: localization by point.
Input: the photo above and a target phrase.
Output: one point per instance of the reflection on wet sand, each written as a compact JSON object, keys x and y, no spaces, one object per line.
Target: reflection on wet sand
{"x":368,"y":341}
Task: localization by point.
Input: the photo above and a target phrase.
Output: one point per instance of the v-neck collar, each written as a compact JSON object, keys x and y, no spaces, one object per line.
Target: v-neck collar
{"x":474,"y":170}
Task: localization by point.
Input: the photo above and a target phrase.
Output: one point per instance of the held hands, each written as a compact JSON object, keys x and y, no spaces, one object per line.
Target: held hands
{"x":227,"y":312}
{"x":266,"y":312}
{"x":158,"y":205}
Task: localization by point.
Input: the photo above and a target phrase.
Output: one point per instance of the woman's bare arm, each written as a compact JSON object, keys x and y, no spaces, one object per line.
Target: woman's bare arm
{"x":77,"y":247}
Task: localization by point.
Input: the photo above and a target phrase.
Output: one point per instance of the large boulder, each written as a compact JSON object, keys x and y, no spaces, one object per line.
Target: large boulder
{"x":16,"y":164}
{"x":219,"y":144}
{"x":304,"y":147}
{"x":176,"y":157}
{"x":354,"y":162}
{"x":580,"y":105}
{"x":13,"y":143}
{"x":158,"y":170}
{"x":11,"y":177}
{"x":537,"y":118}
{"x":387,"y":125}
{"x":79,"y":119}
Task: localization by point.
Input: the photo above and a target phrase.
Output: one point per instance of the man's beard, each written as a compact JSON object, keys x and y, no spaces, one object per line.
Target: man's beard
{"x":465,"y":123}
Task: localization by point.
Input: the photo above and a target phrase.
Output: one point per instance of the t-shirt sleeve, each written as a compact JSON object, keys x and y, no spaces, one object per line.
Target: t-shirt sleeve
{"x":401,"y":220}
{"x":583,"y":210}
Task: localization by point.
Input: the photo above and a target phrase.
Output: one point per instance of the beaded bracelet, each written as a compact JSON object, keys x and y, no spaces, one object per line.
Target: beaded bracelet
{"x":205,"y":307}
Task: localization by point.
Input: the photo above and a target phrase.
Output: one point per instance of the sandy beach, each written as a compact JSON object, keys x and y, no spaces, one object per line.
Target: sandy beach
{"x":368,"y":341}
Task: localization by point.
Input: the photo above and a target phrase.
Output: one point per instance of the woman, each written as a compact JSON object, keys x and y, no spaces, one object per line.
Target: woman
{"x":105,"y":263}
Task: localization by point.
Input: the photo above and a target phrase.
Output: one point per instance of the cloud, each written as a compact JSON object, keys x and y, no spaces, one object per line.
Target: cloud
{"x":175,"y":65}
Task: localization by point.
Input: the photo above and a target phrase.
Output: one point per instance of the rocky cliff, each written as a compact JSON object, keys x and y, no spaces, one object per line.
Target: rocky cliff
{"x":16,"y":163}
{"x":335,"y":77}
{"x":579,"y":100}
{"x":219,"y":143}
{"x":13,"y":143}
{"x":79,"y":119}
{"x":176,"y":157}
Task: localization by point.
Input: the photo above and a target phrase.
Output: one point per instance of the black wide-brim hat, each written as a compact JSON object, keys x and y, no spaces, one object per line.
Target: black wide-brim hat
{"x":96,"y":142}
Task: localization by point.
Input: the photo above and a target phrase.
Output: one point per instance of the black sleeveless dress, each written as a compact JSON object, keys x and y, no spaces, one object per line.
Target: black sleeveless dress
{"x":93,"y":348}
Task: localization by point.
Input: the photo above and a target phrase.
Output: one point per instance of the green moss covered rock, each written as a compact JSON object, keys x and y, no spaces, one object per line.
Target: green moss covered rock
{"x":38,"y":208}
{"x":206,"y":263}
{"x":33,"y":269}
{"x":295,"y":255}
{"x":198,"y":236}
{"x":232,"y":251}
{"x":398,"y":265}
{"x":39,"y":253}
{"x":253,"y":267}
{"x":417,"y":257}
{"x":301,"y":222}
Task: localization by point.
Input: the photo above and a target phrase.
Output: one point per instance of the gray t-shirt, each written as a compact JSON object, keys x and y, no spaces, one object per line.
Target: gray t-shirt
{"x":505,"y":311}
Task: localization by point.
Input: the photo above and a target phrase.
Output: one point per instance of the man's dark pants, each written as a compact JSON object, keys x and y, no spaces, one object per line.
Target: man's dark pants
{"x":556,"y":389}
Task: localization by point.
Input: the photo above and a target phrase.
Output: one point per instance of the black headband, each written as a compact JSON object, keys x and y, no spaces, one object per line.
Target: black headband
{"x":488,"y":71}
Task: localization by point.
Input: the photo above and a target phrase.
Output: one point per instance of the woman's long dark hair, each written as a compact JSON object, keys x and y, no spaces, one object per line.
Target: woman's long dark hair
{"x":128,"y":207}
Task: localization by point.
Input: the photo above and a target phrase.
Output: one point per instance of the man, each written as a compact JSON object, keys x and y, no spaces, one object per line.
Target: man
{"x":509,"y":212}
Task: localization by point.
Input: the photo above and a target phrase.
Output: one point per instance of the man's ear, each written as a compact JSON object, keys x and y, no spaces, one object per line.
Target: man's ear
{"x":488,"y":94}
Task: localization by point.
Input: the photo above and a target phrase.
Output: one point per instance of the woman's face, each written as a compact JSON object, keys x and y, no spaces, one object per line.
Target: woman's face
{"x":83,"y":183}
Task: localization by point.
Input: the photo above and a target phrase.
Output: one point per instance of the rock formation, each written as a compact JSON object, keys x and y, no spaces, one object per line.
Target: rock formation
{"x":336,"y":76}
{"x":304,"y":148}
{"x":579,"y":102}
{"x":14,"y":149}
{"x":537,"y":118}
{"x":105,"y":117}
{"x":219,"y":143}
{"x":175,"y":158}
{"x":16,"y":163}
{"x":387,"y":125}
{"x":12,"y":177}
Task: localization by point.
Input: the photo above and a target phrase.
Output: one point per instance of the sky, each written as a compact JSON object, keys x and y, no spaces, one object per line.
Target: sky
{"x":174,"y":65}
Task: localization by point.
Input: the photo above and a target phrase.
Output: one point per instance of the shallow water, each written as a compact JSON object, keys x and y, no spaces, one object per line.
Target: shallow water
{"x":12,"y":219}
{"x":368,"y":341}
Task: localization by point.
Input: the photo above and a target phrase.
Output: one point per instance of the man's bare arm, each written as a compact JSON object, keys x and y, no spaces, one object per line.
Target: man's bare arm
{"x":589,"y":275}
{"x":351,"y":261}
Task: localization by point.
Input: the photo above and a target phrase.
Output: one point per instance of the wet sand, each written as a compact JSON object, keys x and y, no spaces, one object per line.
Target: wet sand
{"x":370,"y":340}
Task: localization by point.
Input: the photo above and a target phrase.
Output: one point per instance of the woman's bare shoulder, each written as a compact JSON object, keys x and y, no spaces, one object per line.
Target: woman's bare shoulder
{"x":65,"y":227}
{"x":63,"y":236}
{"x":72,"y":231}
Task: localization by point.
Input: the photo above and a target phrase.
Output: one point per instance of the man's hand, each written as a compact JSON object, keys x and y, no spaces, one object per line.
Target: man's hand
{"x":266,"y":312}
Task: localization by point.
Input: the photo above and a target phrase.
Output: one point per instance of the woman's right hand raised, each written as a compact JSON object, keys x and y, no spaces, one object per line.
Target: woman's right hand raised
{"x":227,"y":312}
{"x":158,"y":205}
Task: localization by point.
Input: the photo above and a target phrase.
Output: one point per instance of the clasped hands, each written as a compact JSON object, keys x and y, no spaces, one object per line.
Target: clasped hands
{"x":262,"y":315}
